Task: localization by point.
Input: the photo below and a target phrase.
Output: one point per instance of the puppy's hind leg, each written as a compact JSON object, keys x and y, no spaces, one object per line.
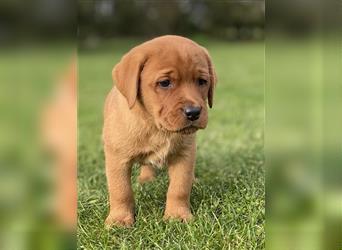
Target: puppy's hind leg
{"x":147,"y":174}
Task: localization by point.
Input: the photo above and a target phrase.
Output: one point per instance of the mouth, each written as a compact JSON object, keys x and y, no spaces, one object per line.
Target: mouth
{"x":188,"y":130}
{"x":185,"y":131}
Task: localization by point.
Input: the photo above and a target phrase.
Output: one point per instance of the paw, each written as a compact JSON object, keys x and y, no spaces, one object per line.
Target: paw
{"x":121,"y":219}
{"x":145,"y":178}
{"x":147,"y":174}
{"x":178,"y":213}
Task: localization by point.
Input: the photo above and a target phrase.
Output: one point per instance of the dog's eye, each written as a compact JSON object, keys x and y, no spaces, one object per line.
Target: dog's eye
{"x":165,"y":84}
{"x":202,"y":81}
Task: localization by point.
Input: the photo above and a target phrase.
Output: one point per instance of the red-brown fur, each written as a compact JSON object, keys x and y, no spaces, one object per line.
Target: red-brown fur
{"x":145,"y":123}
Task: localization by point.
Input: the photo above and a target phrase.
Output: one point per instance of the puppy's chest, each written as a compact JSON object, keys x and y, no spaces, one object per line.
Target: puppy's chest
{"x":157,"y":149}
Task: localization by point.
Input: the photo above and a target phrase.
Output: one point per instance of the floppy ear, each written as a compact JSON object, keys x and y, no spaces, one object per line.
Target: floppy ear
{"x":213,"y":78}
{"x":126,"y":74}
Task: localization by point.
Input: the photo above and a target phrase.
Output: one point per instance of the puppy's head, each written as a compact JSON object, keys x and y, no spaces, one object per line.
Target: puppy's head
{"x":173,"y":78}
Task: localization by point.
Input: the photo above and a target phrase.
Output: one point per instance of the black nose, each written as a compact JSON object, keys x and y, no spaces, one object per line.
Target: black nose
{"x":192,"y":113}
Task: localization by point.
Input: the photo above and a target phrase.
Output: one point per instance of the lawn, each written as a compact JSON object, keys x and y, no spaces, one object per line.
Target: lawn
{"x":228,"y":199}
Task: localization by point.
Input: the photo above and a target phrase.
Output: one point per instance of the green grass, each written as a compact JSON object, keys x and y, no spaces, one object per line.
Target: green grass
{"x":227,"y":202}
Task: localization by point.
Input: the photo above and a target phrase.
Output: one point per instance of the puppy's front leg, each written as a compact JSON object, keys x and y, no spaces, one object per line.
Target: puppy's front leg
{"x":120,"y":191}
{"x":181,"y":174}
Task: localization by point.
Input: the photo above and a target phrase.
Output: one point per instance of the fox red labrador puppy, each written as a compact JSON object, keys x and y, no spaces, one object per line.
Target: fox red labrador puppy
{"x":160,"y":100}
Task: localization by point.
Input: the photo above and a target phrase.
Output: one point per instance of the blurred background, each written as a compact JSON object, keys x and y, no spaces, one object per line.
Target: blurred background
{"x":38,"y":72}
{"x":229,"y":20}
{"x":302,"y":138}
